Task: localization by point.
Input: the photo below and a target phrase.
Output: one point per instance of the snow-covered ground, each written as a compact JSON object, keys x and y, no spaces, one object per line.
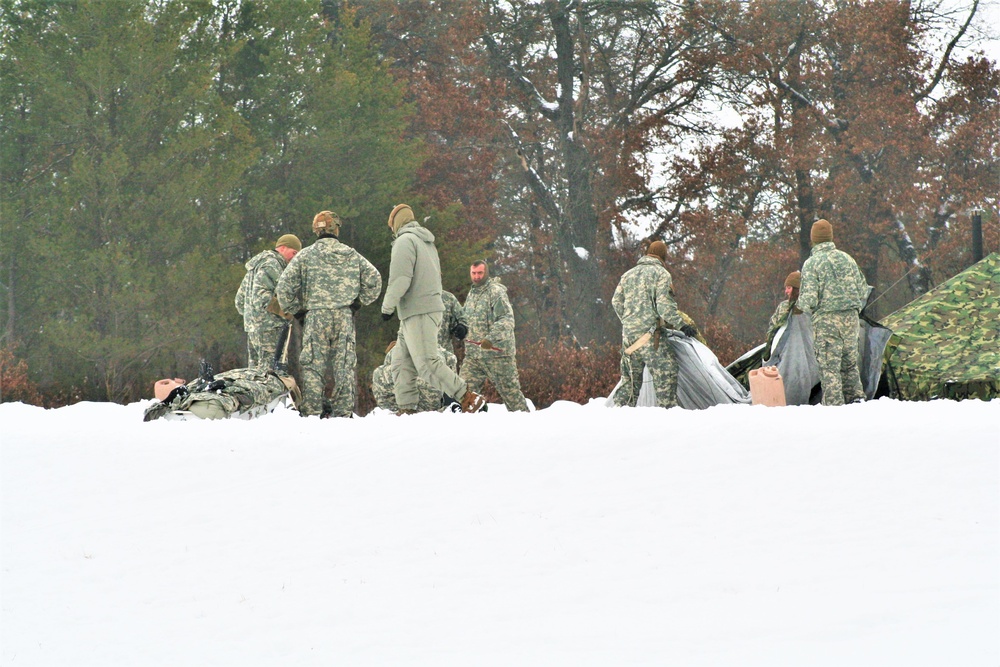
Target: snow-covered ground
{"x":575,"y":535}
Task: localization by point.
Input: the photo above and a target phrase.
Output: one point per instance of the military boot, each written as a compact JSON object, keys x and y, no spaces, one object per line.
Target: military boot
{"x":473,"y":402}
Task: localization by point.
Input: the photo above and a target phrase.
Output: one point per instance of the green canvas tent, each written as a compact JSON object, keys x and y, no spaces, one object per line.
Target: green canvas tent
{"x":946,"y":343}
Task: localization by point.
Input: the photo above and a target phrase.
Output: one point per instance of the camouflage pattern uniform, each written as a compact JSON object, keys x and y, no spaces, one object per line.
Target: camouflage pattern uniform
{"x":241,"y":391}
{"x":490,"y":317}
{"x":322,"y":282}
{"x":384,"y":387}
{"x":644,"y":298}
{"x":262,"y":326}
{"x":778,"y":319}
{"x":453,"y":314}
{"x":834,"y":291}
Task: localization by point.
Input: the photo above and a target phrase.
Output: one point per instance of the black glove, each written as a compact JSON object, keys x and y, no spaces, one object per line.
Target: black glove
{"x":356,"y":305}
{"x":460,"y":331}
{"x":386,"y":317}
{"x":689,"y":330}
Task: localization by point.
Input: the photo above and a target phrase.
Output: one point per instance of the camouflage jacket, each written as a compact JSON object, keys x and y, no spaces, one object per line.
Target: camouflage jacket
{"x":257,"y":289}
{"x":644,"y":296}
{"x":327,"y":275}
{"x":490,"y":317}
{"x":241,"y":390}
{"x":453,"y":314}
{"x":831,"y":282}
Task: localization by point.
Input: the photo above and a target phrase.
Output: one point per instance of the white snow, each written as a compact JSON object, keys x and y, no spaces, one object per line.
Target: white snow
{"x":574,"y":535}
{"x":581,"y":252}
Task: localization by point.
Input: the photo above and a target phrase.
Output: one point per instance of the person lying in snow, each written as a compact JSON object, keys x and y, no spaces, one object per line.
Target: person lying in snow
{"x":241,"y":393}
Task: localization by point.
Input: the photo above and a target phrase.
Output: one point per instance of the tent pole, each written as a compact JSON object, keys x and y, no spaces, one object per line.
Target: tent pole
{"x":977,"y":234}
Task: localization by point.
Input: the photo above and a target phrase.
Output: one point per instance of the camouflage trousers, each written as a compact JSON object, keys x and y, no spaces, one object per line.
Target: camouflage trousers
{"x":662,"y":364}
{"x":501,"y":370}
{"x":328,"y":343}
{"x":261,"y":345}
{"x":417,"y":356}
{"x":835,"y":339}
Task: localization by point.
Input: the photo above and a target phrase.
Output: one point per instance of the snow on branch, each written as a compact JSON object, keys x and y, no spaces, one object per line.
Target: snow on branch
{"x":549,"y":110}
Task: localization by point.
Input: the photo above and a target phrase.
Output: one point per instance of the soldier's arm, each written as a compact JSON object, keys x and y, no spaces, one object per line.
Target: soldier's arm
{"x":618,"y":301}
{"x":458,"y":313}
{"x":241,"y":294}
{"x":502,"y":327}
{"x":808,"y":290}
{"x":289,"y":288}
{"x":864,"y":289}
{"x":778,"y":318}
{"x":371,"y":282}
{"x":666,"y":307}
{"x":404,"y":257}
{"x":267,"y":278}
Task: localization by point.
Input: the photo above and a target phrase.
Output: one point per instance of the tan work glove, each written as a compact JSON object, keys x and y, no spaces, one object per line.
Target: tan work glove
{"x":273,"y":307}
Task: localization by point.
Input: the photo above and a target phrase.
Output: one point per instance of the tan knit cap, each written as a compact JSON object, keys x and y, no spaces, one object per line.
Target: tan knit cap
{"x":400,"y":215}
{"x":658,"y":249}
{"x":289,"y":241}
{"x":326,"y":222}
{"x":822,"y":231}
{"x":794,"y":279}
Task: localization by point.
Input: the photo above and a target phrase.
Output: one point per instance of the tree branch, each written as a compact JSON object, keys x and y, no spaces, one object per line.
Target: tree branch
{"x":947,"y":55}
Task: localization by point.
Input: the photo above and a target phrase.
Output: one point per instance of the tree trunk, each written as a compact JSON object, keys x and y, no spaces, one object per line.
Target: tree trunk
{"x":577,"y":229}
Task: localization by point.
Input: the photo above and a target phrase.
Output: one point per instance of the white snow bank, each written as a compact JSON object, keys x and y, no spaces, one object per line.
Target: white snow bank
{"x":575,"y":535}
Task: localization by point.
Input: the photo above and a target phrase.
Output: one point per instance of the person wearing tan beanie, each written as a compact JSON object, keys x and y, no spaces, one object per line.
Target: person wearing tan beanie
{"x":413,"y":293}
{"x":644,"y":302}
{"x":658,"y":249}
{"x":256,"y":292}
{"x":833,"y":292}
{"x":784,"y":309}
{"x":821,"y":232}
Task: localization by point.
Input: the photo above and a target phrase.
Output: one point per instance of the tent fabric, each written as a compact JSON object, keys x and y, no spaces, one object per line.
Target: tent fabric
{"x":792,"y":352}
{"x":946,"y":343}
{"x":701,"y":380}
{"x":874,"y":338}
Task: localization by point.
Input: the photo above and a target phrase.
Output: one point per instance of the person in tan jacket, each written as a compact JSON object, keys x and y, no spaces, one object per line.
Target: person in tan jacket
{"x":414,"y":294}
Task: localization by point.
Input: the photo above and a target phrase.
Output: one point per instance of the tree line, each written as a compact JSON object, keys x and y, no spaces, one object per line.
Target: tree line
{"x":149,"y":148}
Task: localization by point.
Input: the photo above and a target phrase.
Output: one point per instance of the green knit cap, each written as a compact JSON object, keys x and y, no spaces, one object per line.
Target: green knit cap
{"x":289,"y":241}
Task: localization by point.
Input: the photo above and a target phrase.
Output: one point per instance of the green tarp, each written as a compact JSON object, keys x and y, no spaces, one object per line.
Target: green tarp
{"x":945,"y":344}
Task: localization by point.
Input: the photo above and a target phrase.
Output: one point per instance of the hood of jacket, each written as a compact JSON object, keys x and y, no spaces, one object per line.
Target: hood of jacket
{"x":416,"y":228}
{"x":332,"y":245}
{"x":825,"y":246}
{"x":258,"y":259}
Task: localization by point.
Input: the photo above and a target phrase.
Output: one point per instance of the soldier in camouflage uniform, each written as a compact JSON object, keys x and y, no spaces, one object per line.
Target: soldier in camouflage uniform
{"x":242,"y":392}
{"x":255,"y":293}
{"x":324,"y":285}
{"x":414,"y":294}
{"x":384,"y":387}
{"x":491,"y":352}
{"x":834,"y":291}
{"x":644,"y":302}
{"x":780,"y":316}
